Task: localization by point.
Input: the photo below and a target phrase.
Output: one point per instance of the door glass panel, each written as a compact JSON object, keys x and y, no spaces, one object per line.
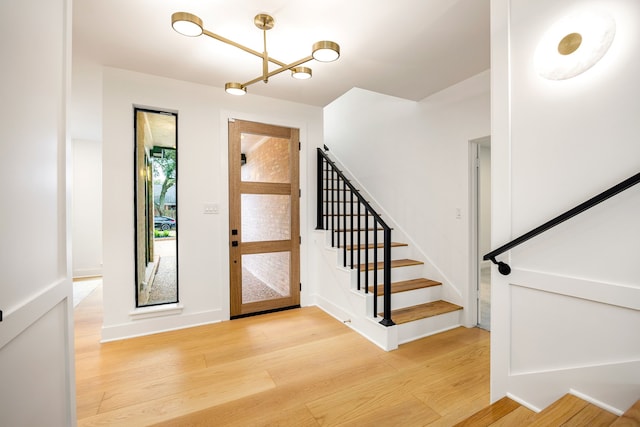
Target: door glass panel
{"x":265,"y":276}
{"x":266,"y":217}
{"x":264,"y":159}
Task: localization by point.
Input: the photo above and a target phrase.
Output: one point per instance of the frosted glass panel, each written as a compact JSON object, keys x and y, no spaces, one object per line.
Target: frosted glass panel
{"x":265,"y":217}
{"x":265,"y":159}
{"x":265,"y":276}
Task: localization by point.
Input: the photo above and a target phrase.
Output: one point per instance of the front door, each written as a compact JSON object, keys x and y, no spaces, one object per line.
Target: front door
{"x":264,"y":217}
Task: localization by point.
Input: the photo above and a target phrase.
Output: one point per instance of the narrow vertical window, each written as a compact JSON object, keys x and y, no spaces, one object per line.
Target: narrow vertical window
{"x":156,"y":207}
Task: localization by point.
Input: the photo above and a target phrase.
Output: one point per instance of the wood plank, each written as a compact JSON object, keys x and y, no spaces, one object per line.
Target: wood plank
{"x":631,"y":418}
{"x":591,"y":416}
{"x":519,"y":417}
{"x":422,"y":311}
{"x":559,"y":412}
{"x":490,"y":414}
{"x":396,"y":263}
{"x":292,"y":368}
{"x":407,"y":285}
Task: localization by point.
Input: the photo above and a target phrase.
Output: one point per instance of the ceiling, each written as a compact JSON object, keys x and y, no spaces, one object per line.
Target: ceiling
{"x":405,"y":48}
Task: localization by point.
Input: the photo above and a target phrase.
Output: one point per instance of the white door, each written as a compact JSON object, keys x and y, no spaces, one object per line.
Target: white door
{"x":36,"y":331}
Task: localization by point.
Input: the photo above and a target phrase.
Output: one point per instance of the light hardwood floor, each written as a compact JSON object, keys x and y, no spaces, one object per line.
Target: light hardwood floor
{"x":293,"y":368}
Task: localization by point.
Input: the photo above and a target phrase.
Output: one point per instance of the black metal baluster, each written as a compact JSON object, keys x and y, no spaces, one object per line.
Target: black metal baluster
{"x":375,"y":268}
{"x":351,"y":240}
{"x":387,"y":321}
{"x":366,"y":252}
{"x":344,"y":223}
{"x":358,"y":237}
{"x":338,"y":181}
{"x":319,"y":193}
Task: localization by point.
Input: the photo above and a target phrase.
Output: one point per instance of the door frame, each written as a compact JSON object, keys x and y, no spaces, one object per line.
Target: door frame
{"x":237,"y":187}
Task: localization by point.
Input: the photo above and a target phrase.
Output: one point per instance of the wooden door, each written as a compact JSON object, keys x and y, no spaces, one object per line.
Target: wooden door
{"x":264,"y":217}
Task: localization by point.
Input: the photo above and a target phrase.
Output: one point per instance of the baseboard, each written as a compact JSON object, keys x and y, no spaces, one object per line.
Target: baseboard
{"x":596,"y":402}
{"x":156,"y":325}
{"x":86,"y":273}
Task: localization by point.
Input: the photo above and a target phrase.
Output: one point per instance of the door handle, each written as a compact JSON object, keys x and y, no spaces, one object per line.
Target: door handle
{"x":234,"y":243}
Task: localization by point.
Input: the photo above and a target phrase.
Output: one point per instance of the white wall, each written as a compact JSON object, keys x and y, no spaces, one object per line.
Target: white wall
{"x":202,"y":178}
{"x":413,"y":159}
{"x":567,"y":317}
{"x":36,"y":334}
{"x":87,"y":208}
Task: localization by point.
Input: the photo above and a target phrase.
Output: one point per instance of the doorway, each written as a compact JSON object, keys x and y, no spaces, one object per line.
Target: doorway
{"x":481,"y":235}
{"x":264,"y":217}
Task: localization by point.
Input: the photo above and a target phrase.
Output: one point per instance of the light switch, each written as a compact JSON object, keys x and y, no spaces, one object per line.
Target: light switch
{"x":211,"y":208}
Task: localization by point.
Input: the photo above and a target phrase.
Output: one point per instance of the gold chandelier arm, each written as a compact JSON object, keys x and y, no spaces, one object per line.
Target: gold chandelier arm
{"x":265,"y":58}
{"x":239,"y":46}
{"x":285,"y":67}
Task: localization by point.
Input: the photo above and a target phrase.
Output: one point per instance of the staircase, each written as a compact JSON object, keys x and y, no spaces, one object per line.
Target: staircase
{"x":356,"y":233}
{"x":567,"y":411}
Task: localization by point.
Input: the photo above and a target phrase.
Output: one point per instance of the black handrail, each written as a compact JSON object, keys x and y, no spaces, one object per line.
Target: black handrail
{"x":328,"y":216}
{"x":505,"y":269}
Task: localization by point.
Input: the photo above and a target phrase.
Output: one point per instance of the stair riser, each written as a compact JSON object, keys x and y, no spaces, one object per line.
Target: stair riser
{"x":398,"y":252}
{"x":410,"y":298}
{"x":365,"y":224}
{"x":397,"y":275}
{"x":432,"y":325}
{"x":355,"y":237}
{"x":344,"y":208}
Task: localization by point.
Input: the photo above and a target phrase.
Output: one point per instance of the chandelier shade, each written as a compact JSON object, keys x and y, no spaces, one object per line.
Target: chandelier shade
{"x":187,"y":24}
{"x":326,"y":51}
{"x":301,"y":73}
{"x":191,"y":25}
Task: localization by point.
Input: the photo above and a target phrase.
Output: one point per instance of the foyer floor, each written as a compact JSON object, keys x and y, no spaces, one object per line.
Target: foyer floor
{"x":293,"y":368}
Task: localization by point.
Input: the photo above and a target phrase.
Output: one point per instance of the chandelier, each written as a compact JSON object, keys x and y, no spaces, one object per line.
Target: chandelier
{"x":190,"y":25}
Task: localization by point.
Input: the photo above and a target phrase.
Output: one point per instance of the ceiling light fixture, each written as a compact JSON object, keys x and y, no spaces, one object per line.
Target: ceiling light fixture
{"x":574,"y":44}
{"x":324,"y":51}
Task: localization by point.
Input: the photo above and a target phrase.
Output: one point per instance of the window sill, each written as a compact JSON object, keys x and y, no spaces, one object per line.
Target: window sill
{"x":156,"y":311}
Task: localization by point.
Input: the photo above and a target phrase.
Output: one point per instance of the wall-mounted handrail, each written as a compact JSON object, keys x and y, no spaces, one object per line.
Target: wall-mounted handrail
{"x":332,"y":201}
{"x":505,"y":269}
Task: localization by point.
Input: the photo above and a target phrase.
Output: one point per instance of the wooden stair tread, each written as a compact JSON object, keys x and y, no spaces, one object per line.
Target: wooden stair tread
{"x":490,"y":414}
{"x":396,"y":263}
{"x":630,"y":418}
{"x":407,"y":285}
{"x":371,"y":246}
{"x":520,"y":417}
{"x":568,"y":411}
{"x":422,"y":311}
{"x":559,"y":412}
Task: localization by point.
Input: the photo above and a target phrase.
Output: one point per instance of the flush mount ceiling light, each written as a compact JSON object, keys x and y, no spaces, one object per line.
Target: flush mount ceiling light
{"x":574,"y":44}
{"x":324,"y":51}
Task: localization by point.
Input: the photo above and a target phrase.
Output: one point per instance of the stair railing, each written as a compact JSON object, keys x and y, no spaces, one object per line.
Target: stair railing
{"x":332,"y":203}
{"x":505,"y":269}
